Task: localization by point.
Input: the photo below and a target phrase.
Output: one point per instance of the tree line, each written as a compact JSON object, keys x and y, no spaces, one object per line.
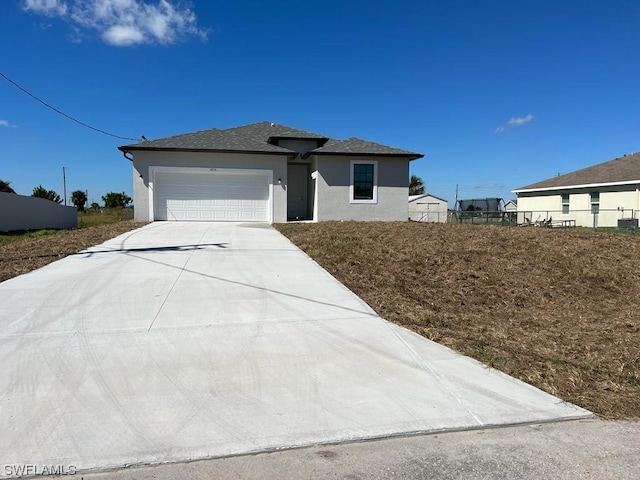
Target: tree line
{"x":78,"y":197}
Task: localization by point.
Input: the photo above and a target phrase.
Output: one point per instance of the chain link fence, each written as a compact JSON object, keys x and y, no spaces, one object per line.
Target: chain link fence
{"x":596,"y":218}
{"x":624,"y":219}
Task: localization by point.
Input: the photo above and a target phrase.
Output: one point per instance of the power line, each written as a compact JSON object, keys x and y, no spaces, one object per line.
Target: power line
{"x":62,"y":113}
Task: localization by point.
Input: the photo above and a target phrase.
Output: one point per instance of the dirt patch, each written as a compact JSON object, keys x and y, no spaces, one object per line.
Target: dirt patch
{"x":555,"y":308}
{"x":31,"y":252}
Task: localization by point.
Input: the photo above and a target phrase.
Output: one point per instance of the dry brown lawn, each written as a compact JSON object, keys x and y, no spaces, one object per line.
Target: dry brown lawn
{"x":558,"y":309}
{"x":25,"y":252}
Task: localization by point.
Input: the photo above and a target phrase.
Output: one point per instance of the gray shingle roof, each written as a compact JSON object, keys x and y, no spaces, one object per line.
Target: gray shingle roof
{"x":262,"y":138}
{"x":619,"y":170}
{"x":357,"y":146}
{"x":249,"y":138}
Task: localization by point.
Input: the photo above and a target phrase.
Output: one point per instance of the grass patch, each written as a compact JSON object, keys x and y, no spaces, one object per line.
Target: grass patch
{"x":89,"y":218}
{"x":8,"y":237}
{"x":103,"y":216}
{"x":27,"y":251}
{"x":555,"y":308}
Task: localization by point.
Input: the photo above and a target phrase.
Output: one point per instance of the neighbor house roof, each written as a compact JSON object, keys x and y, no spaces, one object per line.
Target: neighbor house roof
{"x":263,"y":137}
{"x":413,"y":198}
{"x":619,"y":171}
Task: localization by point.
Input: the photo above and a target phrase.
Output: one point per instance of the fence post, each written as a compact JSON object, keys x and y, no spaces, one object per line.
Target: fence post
{"x":595,"y":221}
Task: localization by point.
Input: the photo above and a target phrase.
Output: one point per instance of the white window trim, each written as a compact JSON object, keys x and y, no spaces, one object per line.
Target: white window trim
{"x":249,"y":171}
{"x":375,"y":181}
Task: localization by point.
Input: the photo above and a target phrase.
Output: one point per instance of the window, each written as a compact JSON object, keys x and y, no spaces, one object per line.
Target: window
{"x":363,"y":187}
{"x":595,"y":202}
{"x":565,"y":203}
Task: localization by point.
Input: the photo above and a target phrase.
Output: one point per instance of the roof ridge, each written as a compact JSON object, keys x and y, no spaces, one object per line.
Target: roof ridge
{"x":602,"y":172}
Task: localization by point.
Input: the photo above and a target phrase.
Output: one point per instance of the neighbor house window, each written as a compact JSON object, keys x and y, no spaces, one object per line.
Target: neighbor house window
{"x":595,"y":202}
{"x":565,"y":203}
{"x":363,"y":187}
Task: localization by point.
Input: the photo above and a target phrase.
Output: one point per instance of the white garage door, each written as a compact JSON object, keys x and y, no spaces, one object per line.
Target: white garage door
{"x":211,"y":196}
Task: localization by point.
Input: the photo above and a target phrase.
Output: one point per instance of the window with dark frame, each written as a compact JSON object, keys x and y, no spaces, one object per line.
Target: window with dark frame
{"x":565,"y":203}
{"x":595,"y":202}
{"x":363,"y":181}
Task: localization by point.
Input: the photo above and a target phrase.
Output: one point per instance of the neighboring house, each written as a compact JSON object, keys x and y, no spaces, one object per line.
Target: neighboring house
{"x":268,"y":173}
{"x":427,"y":208}
{"x":604,"y":193}
{"x":511,"y":206}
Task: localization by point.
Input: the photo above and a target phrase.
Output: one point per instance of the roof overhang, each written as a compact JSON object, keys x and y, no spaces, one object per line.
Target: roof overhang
{"x":413,"y":198}
{"x":572,"y":187}
{"x":318,"y":140}
{"x":125,"y":149}
{"x":410,"y":156}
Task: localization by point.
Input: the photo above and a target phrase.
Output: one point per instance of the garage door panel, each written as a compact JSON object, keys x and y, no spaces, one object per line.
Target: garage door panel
{"x":211,"y":196}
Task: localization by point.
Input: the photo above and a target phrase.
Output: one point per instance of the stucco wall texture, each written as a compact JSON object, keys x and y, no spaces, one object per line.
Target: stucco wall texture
{"x":19,"y":212}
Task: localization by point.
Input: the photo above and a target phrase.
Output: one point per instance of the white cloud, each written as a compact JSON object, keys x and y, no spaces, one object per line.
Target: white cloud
{"x":51,"y":8}
{"x":6,"y":123}
{"x":123,"y":35}
{"x":518,"y":121}
{"x":515,"y":122}
{"x":125,"y":22}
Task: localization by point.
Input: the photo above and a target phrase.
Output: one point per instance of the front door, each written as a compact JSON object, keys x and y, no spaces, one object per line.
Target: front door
{"x":297,"y":189}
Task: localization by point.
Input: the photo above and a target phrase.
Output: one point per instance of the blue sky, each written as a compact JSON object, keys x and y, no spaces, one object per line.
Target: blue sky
{"x":497,"y":94}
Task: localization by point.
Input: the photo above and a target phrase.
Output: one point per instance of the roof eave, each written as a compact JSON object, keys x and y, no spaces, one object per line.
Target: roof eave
{"x":570,"y":187}
{"x":410,"y":156}
{"x":289,"y":137}
{"x":288,"y":153}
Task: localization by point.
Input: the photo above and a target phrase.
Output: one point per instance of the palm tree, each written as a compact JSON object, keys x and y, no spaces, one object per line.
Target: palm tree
{"x":42,"y":192}
{"x":79,"y":199}
{"x":416,"y":185}
{"x":6,"y":187}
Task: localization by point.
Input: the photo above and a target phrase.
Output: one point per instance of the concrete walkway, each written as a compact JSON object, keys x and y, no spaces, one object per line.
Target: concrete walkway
{"x":196,"y":340}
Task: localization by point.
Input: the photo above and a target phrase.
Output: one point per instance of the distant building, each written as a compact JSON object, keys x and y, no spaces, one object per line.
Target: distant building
{"x":511,"y":206}
{"x":608,"y":191}
{"x":511,"y":209}
{"x":427,"y":208}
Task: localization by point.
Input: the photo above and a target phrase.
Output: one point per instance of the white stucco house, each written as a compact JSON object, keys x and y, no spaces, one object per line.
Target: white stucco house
{"x":427,"y":208}
{"x":267,"y":172}
{"x":609,"y":191}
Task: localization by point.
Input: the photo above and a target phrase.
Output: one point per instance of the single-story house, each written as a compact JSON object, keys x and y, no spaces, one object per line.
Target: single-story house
{"x":267,"y":172}
{"x":511,"y":206}
{"x":427,"y":208}
{"x":604,"y":193}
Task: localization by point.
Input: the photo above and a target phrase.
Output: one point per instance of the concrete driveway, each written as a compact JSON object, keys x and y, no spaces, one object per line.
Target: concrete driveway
{"x":192,"y":340}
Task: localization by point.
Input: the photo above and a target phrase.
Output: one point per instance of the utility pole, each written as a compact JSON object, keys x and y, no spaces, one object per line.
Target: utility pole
{"x":456,"y":204}
{"x":64,"y":183}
